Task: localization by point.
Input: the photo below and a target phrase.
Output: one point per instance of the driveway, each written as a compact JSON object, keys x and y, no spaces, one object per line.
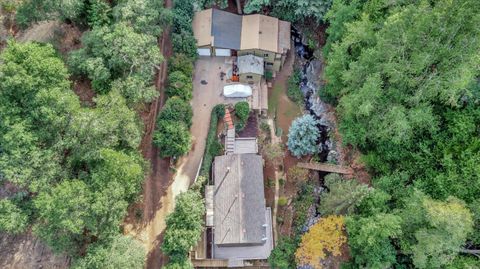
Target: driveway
{"x":205,"y":96}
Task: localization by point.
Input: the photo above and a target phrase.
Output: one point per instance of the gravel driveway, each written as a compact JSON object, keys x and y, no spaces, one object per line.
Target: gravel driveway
{"x":207,"y":89}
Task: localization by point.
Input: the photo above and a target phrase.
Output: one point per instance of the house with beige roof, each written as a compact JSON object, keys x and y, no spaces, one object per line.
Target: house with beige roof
{"x":221,"y":33}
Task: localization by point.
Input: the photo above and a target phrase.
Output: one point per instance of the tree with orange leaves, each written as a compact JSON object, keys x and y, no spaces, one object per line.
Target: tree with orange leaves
{"x":325,"y":237}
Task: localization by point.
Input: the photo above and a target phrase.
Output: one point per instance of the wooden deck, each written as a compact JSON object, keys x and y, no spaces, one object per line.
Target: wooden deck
{"x":325,"y":167}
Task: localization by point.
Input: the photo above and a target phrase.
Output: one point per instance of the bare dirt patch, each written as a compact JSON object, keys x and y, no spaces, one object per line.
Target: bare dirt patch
{"x":66,"y":38}
{"x":41,"y":32}
{"x":83,"y":88}
{"x":27,"y":251}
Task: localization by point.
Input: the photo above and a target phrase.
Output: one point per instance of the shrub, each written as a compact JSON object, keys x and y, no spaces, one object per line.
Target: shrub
{"x":298,"y":175}
{"x":185,"y":43}
{"x":217,"y":113}
{"x":264,"y":126}
{"x":122,"y":252}
{"x":181,"y":62}
{"x":303,"y":136}
{"x":274,"y":153}
{"x":268,"y":75}
{"x":172,"y":138}
{"x":283,"y":255}
{"x":282,"y":201}
{"x":176,"y":110}
{"x":293,"y":91}
{"x":239,"y":126}
{"x":242,"y":110}
{"x":179,"y":85}
{"x":216,"y":148}
{"x":184,"y":225}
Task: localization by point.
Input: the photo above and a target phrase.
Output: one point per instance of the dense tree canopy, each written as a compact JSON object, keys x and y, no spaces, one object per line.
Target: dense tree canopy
{"x":82,"y":167}
{"x":405,"y":77}
{"x":114,"y":52}
{"x":292,"y":10}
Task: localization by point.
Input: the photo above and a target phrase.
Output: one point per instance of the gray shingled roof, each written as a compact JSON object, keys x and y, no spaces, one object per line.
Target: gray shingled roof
{"x":226,"y":29}
{"x":250,"y":64}
{"x":239,"y":200}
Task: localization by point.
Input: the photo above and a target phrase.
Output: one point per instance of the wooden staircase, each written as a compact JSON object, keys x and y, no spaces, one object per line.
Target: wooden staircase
{"x":230,"y":141}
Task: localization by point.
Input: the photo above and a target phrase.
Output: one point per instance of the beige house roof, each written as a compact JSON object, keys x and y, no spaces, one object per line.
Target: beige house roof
{"x":259,"y":32}
{"x":218,"y":28}
{"x":284,"y":34}
{"x":202,"y":27}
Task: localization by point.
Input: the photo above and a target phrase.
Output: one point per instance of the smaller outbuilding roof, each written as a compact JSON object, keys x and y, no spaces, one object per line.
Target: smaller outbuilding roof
{"x":250,"y":64}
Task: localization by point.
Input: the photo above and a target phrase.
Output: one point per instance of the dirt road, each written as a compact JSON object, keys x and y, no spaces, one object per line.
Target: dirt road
{"x":158,"y":200}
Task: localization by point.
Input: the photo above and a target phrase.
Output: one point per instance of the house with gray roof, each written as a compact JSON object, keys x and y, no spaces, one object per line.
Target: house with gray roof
{"x":241,"y":223}
{"x":221,"y":33}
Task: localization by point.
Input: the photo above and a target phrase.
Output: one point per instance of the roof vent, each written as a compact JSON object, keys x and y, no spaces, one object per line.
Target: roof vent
{"x":259,"y":32}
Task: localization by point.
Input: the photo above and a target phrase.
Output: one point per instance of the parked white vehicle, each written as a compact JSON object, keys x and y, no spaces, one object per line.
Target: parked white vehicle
{"x":237,"y":90}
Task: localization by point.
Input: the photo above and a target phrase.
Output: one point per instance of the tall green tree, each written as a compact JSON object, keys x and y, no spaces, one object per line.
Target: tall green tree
{"x":145,"y":16}
{"x":434,"y":231}
{"x":114,"y":52}
{"x":63,"y":213}
{"x":343,"y":197}
{"x":370,"y":240}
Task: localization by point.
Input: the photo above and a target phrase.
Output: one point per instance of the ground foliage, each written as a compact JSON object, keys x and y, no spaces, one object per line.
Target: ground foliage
{"x":404,"y":75}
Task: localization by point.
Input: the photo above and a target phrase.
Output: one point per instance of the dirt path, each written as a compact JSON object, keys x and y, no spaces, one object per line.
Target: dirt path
{"x":279,"y":104}
{"x":158,"y":200}
{"x":278,"y":175}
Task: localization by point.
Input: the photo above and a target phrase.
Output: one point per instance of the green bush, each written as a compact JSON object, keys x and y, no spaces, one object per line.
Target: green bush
{"x":184,"y":225}
{"x":217,"y":113}
{"x":176,"y":110}
{"x":181,"y":62}
{"x":179,"y":85}
{"x":172,"y":138}
{"x":283,"y":255}
{"x":242,"y":111}
{"x":216,"y":148}
{"x":239,"y":126}
{"x":268,"y":75}
{"x":185,"y":43}
{"x":12,"y":218}
{"x":282,"y":201}
{"x":293,"y":91}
